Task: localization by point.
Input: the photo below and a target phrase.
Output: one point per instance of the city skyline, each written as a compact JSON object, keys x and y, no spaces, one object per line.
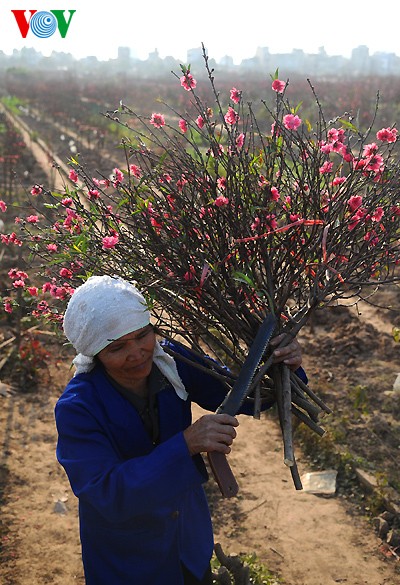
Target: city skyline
{"x":175,"y":27}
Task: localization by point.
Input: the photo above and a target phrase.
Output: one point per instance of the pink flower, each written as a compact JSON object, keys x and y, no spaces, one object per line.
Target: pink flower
{"x":359,"y":164}
{"x":33,"y":291}
{"x":13,"y":239}
{"x":8,"y":306}
{"x":240,"y":141}
{"x":3,"y":206}
{"x":188,"y":82}
{"x":326,"y":167}
{"x":221,"y":182}
{"x":59,"y":292}
{"x":236,"y":94}
{"x":109,"y":242}
{"x":278,"y":85}
{"x":231,"y":117}
{"x":371,"y":238}
{"x":200,"y":122}
{"x":375,"y":163}
{"x":67,"y":201}
{"x":338,"y":181}
{"x":387,"y":134}
{"x":291,"y":122}
{"x":65,"y":273}
{"x":119,"y":175}
{"x":36,"y":190}
{"x":73,"y":175}
{"x":136,"y":171}
{"x":326,"y":147}
{"x":157,"y":120}
{"x":32,"y":219}
{"x":355,"y":220}
{"x":294,"y":217}
{"x":370,"y":149}
{"x":336,"y":135}
{"x":47,"y":287}
{"x":274,"y":194}
{"x":156,"y":224}
{"x":338,"y":146}
{"x":43,"y":306}
{"x":271,"y":220}
{"x":14,"y":274}
{"x":93,"y":194}
{"x":183,"y":125}
{"x":377,"y":216}
{"x":52,"y":247}
{"x":354,"y":202}
{"x":19,"y":283}
{"x":221,"y":201}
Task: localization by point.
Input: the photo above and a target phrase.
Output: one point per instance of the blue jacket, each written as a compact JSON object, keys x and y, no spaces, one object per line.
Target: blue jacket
{"x":142,"y":507}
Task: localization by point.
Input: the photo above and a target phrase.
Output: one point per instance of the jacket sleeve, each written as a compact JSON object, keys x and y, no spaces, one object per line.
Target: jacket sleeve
{"x":119,"y":489}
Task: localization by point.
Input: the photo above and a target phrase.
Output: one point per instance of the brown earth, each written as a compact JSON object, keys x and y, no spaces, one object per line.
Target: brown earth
{"x":351,"y":360}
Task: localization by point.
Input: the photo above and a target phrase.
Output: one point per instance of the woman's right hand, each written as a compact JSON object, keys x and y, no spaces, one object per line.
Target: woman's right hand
{"x":211,"y":432}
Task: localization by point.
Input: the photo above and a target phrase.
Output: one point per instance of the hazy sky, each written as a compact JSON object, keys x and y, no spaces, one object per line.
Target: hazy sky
{"x":226,"y":28}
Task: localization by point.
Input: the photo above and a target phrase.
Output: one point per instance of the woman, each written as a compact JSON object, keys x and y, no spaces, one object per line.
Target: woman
{"x":128,"y":444}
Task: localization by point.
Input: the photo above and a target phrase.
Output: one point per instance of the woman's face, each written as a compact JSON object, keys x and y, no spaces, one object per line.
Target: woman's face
{"x":128,"y":360}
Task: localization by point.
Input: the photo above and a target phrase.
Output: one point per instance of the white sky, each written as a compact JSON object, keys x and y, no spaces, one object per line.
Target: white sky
{"x":225,"y":27}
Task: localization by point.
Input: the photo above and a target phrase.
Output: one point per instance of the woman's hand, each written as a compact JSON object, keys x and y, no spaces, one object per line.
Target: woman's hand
{"x":211,"y":432}
{"x":290,"y":354}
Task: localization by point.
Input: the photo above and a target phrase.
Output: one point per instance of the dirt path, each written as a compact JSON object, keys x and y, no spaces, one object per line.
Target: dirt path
{"x":306,"y":539}
{"x":40,"y":151}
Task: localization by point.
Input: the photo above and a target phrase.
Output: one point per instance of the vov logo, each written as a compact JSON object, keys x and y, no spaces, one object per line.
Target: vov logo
{"x":43,"y":24}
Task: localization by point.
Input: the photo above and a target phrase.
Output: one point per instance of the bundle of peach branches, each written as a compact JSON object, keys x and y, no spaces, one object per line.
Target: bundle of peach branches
{"x":222,"y":216}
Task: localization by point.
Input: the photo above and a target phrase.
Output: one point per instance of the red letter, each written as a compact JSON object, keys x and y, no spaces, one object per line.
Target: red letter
{"x":23,"y":24}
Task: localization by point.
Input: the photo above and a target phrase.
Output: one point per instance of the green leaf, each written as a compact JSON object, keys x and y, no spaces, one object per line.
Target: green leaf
{"x":241,"y":277}
{"x":296,"y":109}
{"x":80,"y":244}
{"x":348,"y":125}
{"x":396,"y":334}
{"x":275,"y":75}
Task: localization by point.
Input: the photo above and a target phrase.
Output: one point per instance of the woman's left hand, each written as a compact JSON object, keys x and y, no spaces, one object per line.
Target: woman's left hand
{"x":290,"y":354}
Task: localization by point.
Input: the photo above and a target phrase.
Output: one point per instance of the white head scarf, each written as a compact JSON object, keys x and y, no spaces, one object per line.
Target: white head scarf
{"x":103,"y":309}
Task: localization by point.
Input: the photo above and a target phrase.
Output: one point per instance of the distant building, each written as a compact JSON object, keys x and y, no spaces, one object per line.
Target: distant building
{"x":227,"y":62}
{"x":360,"y":60}
{"x":124,"y":54}
{"x":195,"y":55}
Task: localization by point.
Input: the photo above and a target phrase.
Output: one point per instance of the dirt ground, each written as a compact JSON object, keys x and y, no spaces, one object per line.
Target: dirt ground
{"x":351,"y":360}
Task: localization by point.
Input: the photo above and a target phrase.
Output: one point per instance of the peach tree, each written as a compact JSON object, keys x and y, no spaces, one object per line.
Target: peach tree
{"x":225,"y":211}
